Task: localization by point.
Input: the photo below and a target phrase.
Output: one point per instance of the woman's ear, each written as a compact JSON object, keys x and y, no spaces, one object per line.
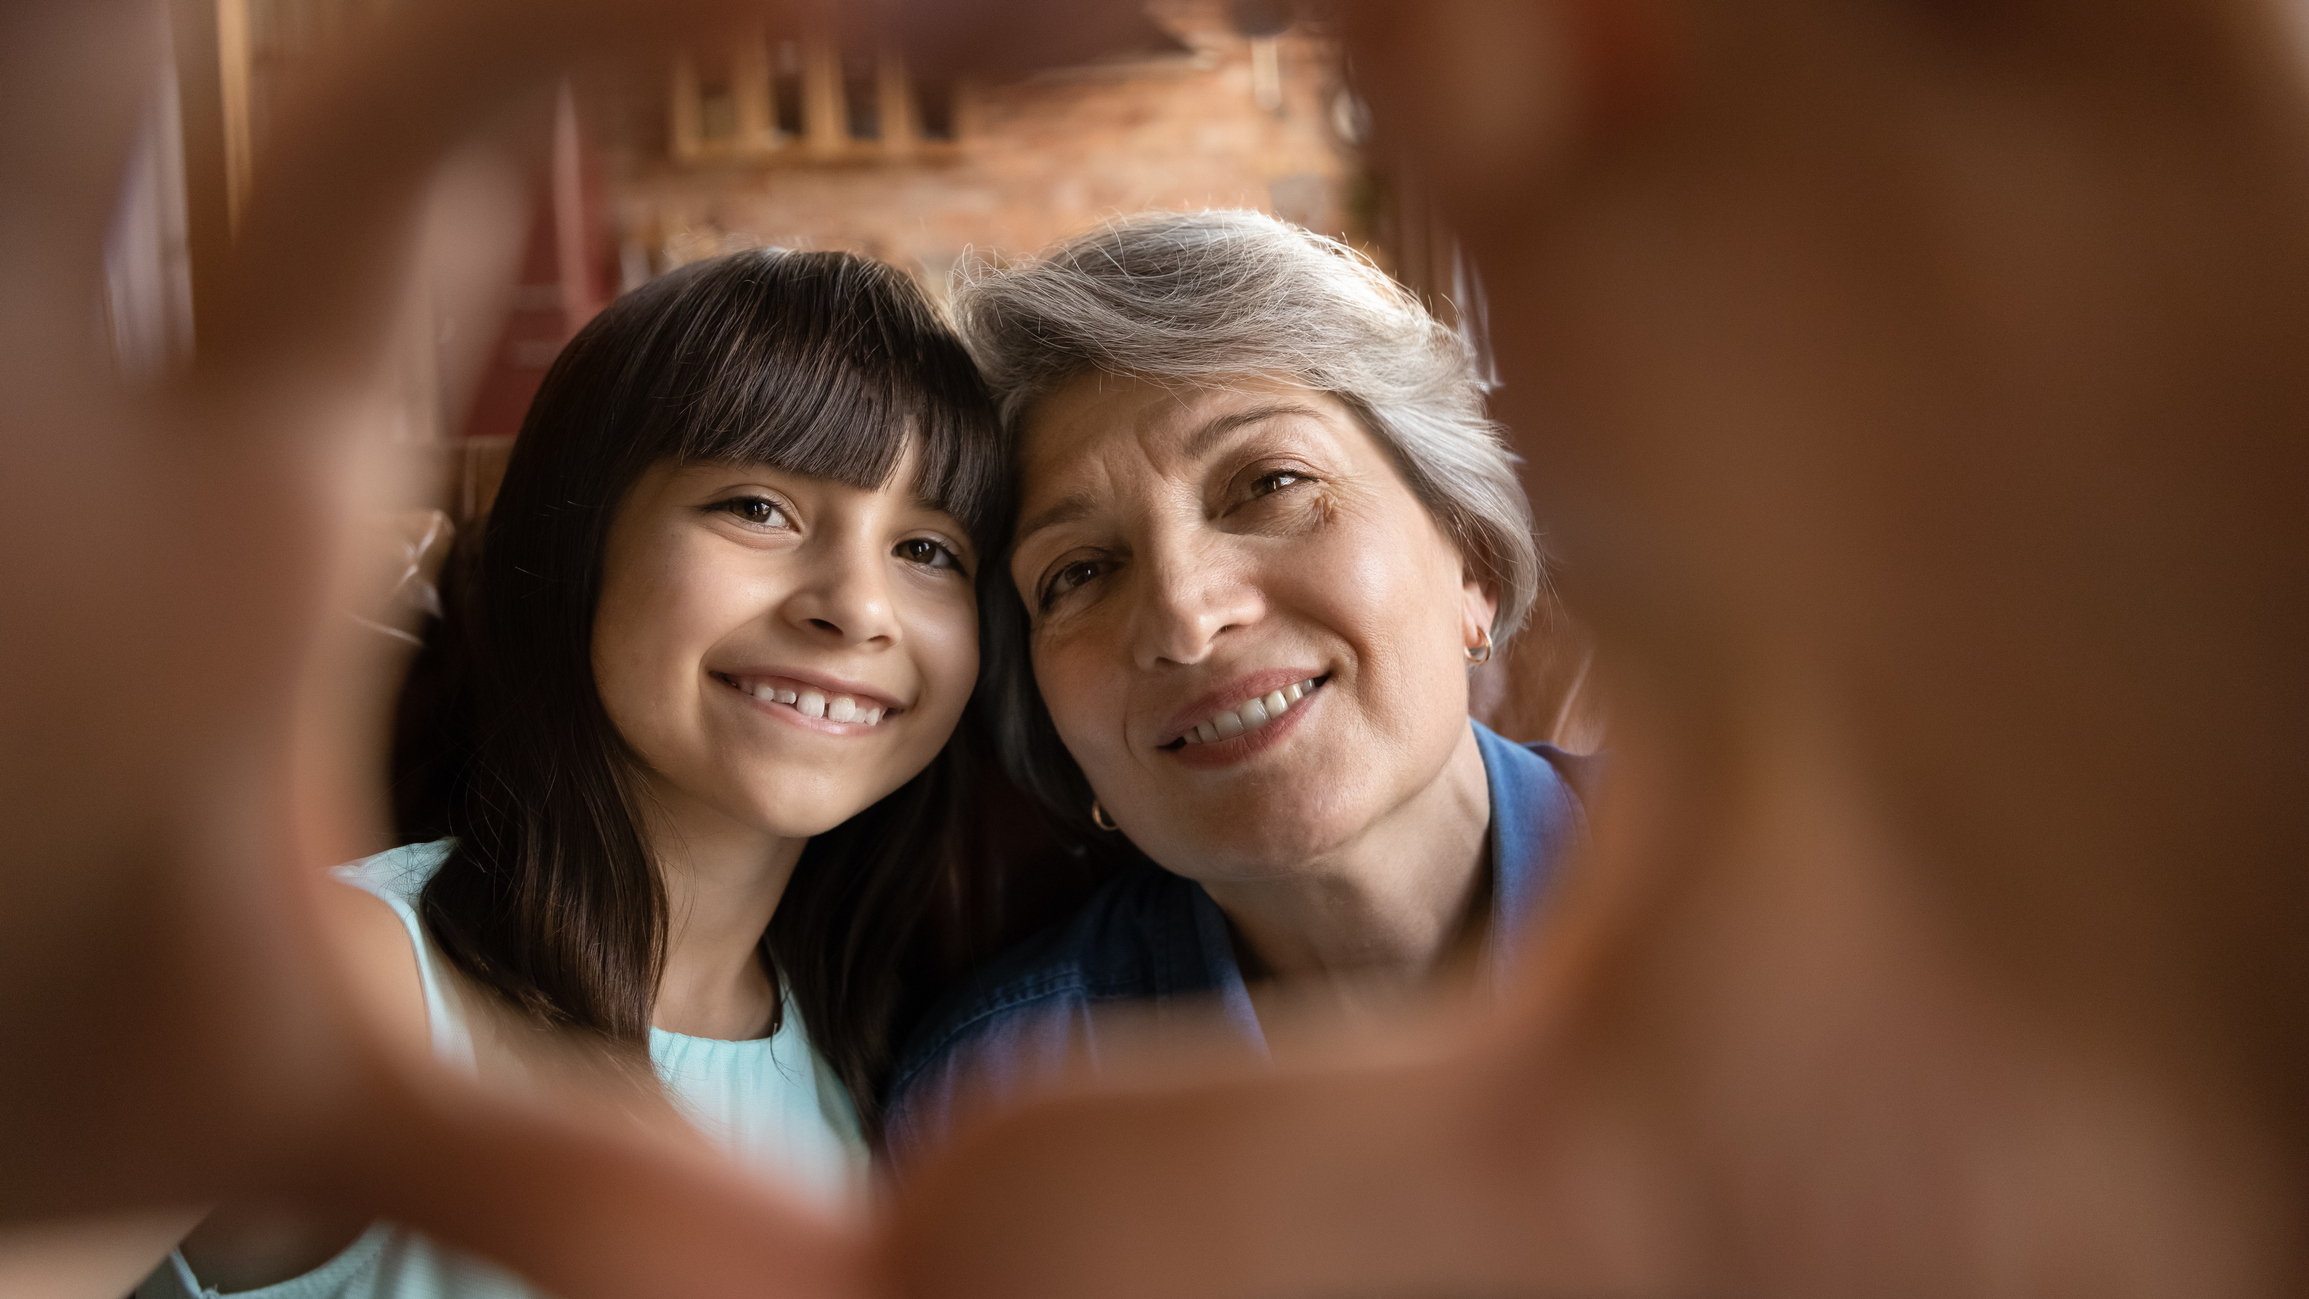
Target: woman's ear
{"x":1479,"y":608}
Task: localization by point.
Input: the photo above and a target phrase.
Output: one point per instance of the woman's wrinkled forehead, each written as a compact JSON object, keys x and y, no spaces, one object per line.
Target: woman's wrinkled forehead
{"x":1093,"y":439}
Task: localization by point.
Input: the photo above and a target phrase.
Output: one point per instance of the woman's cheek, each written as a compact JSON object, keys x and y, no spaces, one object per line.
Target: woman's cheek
{"x":1067,"y":677}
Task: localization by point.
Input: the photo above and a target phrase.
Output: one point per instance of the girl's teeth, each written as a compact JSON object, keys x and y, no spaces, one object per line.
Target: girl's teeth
{"x":1251,"y":714}
{"x":810,"y":703}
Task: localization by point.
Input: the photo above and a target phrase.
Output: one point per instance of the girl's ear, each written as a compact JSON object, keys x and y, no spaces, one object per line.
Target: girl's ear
{"x":1497,"y":91}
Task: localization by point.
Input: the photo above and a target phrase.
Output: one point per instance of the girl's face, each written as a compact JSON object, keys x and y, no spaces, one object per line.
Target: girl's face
{"x":781,"y":651}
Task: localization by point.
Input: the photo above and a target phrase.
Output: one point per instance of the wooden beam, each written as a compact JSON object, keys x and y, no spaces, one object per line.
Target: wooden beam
{"x":750,"y":88}
{"x":682,"y":115}
{"x":233,"y":59}
{"x":896,"y":104}
{"x":825,"y":114}
{"x":201,"y":115}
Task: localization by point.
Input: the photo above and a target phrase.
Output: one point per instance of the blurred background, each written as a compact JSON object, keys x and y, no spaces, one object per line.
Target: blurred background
{"x":819,"y":143}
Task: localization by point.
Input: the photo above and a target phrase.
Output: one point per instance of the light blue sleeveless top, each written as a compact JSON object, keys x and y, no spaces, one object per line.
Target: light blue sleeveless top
{"x":773,"y":1104}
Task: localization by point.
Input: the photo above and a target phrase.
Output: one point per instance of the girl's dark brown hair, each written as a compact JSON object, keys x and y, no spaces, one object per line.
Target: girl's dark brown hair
{"x":822,"y":364}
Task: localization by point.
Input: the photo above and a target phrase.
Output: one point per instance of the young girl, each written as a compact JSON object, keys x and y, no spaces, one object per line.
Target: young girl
{"x":724,"y":626}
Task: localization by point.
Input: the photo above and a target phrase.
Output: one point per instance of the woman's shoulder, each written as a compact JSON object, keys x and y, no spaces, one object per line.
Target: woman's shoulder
{"x":1022,"y":1014}
{"x":1537,"y":770}
{"x":1120,"y":943}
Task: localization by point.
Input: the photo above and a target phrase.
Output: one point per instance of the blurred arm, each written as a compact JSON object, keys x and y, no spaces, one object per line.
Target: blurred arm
{"x":88,"y":1258}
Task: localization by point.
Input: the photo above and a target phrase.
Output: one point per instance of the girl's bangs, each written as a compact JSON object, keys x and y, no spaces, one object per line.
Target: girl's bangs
{"x":834,"y":367}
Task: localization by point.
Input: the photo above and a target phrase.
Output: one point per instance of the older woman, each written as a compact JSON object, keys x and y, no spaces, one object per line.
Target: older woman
{"x":1264,"y":530}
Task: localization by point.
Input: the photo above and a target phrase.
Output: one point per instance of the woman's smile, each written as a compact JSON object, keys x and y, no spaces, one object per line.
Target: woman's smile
{"x":1265,"y":714}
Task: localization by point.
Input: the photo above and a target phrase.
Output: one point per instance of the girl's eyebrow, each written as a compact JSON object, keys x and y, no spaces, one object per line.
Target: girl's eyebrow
{"x":922,"y":502}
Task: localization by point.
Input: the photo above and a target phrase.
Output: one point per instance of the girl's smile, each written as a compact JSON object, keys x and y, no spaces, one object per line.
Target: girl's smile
{"x":825,"y":704}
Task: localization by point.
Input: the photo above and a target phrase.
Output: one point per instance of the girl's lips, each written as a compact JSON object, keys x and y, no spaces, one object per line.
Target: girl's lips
{"x":800,"y":679}
{"x":810,"y":707}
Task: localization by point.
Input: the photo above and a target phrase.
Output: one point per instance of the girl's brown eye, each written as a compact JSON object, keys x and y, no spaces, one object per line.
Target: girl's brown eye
{"x":760,"y":511}
{"x":928,"y":553}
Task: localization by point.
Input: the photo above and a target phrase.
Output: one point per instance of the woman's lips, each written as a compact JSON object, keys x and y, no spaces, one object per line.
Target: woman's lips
{"x":1227,"y":750}
{"x":1230,"y":696}
{"x":1251,"y":714}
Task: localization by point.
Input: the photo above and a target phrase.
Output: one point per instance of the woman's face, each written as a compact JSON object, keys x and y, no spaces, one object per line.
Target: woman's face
{"x":781,"y":651}
{"x":1185,"y":552}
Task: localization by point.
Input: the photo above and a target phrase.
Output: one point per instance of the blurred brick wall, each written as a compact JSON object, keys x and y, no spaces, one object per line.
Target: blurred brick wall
{"x":1033,"y":161}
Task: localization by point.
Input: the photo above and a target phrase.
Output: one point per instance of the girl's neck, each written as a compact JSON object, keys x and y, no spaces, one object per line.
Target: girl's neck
{"x":723,"y":882}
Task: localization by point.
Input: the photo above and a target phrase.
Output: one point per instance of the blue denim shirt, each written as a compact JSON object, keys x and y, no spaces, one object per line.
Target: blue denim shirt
{"x":1153,"y":937}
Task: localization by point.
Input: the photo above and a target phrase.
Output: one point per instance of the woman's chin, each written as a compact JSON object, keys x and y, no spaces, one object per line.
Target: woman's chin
{"x":1229,"y":844}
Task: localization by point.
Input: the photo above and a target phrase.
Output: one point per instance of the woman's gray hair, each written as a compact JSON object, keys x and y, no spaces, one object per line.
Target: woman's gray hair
{"x":1208,"y":297}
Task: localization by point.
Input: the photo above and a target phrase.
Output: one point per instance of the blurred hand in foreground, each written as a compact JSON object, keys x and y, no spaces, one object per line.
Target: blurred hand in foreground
{"x":1914,"y":392}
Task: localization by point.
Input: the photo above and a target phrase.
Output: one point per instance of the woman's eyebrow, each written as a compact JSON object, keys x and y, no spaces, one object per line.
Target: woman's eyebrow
{"x":1222,"y":425}
{"x":1065,"y":510}
{"x":1068,"y":509}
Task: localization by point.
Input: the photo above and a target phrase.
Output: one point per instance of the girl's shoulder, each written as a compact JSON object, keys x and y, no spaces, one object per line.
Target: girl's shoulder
{"x":370,"y":913}
{"x":396,"y":877}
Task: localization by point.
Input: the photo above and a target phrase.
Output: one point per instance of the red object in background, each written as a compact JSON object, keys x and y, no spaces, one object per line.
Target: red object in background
{"x":563,"y":275}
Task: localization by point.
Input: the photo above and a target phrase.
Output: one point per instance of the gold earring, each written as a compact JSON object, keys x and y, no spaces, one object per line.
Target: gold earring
{"x":1481,"y":653}
{"x":1099,"y":818}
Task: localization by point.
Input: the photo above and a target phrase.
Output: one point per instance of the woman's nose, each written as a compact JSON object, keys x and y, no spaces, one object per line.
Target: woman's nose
{"x":845,"y":593}
{"x":1191,"y":594}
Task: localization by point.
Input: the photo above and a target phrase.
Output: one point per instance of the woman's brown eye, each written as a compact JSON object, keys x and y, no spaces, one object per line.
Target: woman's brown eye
{"x":1068,"y":578}
{"x":1268,"y":484}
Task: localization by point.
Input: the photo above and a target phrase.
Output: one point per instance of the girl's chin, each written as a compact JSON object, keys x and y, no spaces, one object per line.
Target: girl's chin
{"x":800,"y":811}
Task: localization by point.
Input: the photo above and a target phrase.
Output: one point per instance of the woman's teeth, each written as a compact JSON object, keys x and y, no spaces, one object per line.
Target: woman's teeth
{"x":1231,"y":722}
{"x":810,"y":703}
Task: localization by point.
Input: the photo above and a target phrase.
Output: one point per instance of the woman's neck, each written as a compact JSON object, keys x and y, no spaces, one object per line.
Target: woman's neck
{"x":723,"y":882}
{"x":1382,"y":911}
